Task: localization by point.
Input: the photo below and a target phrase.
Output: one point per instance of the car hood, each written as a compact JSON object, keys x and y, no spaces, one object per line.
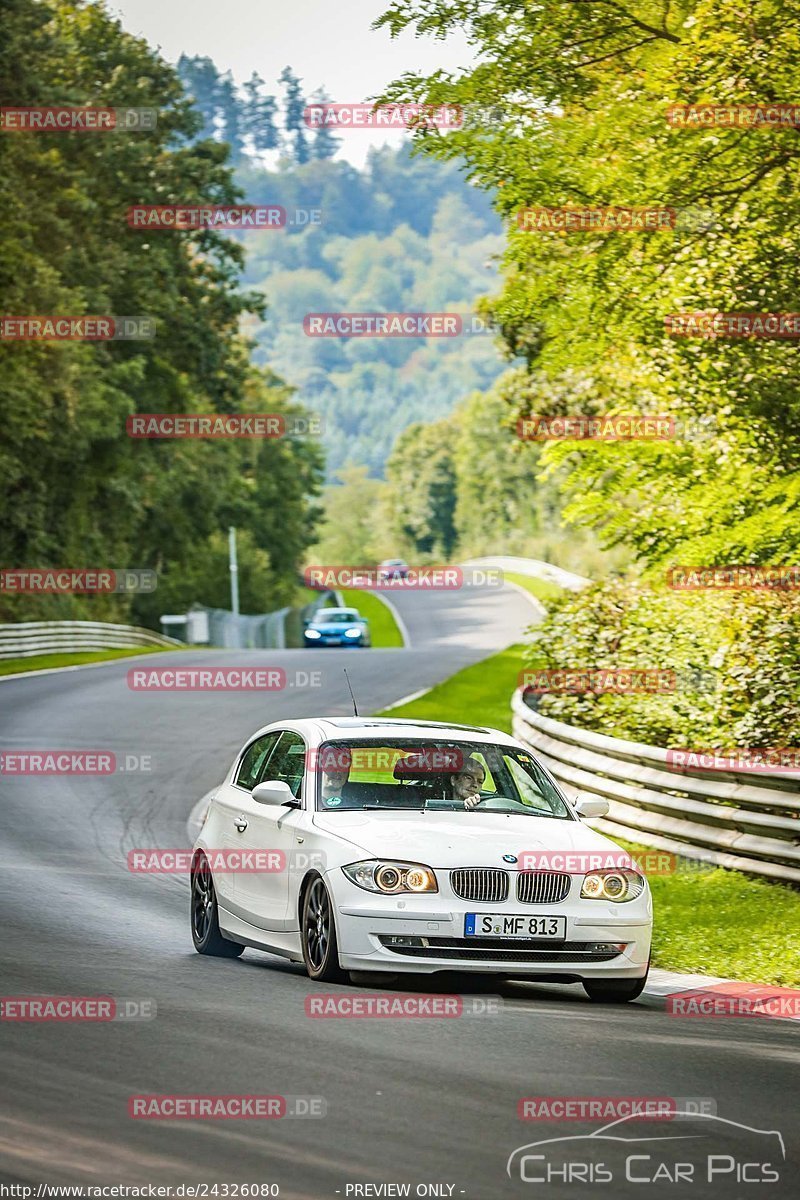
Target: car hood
{"x":454,"y":839}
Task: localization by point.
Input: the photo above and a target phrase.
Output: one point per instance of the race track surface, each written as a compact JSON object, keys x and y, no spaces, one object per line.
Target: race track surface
{"x":418,"y":1102}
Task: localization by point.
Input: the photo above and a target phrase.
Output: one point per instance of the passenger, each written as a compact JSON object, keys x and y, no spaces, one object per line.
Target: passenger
{"x":335,"y":763}
{"x":466,"y":783}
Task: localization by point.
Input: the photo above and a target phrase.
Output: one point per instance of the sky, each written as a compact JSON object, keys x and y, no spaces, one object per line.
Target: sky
{"x":326,"y":44}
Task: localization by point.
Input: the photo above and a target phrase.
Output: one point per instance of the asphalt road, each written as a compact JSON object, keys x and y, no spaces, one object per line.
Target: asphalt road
{"x":419,"y":1102}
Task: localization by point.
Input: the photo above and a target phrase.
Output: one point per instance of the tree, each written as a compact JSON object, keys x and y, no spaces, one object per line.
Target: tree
{"x":75,"y":489}
{"x":202,"y":81}
{"x":258,"y":119}
{"x":324,"y":144}
{"x":232,"y":116}
{"x":351,"y":530}
{"x":582,"y":92}
{"x":422,"y":487}
{"x":294,"y":110}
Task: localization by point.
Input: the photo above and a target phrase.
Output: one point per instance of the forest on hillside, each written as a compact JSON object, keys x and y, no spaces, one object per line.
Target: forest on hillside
{"x":403,"y":234}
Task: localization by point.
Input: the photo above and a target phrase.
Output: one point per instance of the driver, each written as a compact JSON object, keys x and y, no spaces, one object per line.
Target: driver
{"x":467,"y":782}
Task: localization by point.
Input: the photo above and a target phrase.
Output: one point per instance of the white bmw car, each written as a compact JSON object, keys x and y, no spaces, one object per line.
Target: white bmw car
{"x":370,"y":845}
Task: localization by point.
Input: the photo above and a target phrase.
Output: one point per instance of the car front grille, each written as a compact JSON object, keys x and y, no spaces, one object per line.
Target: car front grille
{"x":499,"y":950}
{"x":542,"y":887}
{"x":480,"y":883}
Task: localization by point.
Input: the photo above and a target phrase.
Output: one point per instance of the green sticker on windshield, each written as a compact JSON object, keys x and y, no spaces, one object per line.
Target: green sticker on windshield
{"x":332,"y":801}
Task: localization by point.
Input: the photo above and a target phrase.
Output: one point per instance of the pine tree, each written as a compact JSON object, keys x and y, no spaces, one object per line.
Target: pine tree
{"x":324,"y":144}
{"x":201,"y":80}
{"x":294,"y":116}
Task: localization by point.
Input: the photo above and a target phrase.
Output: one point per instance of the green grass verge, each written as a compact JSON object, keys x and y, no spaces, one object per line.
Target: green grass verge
{"x":45,"y":662}
{"x":478,"y":695}
{"x":383,"y":628}
{"x":305,"y":595}
{"x":541,"y":589}
{"x":717,"y":922}
{"x":712,"y":922}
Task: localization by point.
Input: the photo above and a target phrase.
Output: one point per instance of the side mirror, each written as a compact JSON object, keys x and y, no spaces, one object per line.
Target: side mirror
{"x":591,"y":808}
{"x":273,"y":791}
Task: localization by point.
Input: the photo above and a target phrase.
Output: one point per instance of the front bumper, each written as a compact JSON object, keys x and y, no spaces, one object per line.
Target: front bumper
{"x":333,"y":640}
{"x":424,"y":934}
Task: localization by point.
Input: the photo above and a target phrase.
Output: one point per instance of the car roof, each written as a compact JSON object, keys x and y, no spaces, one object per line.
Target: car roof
{"x":389,"y":727}
{"x":322,"y":613}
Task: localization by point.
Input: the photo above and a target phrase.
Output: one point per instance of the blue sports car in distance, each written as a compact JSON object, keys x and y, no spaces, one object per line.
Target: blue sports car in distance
{"x":337,"y":627}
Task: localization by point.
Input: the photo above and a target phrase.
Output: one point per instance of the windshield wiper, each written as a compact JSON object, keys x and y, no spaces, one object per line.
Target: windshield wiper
{"x":388,"y":808}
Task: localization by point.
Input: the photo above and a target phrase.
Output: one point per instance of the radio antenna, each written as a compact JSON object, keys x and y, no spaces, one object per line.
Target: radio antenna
{"x":352,"y":697}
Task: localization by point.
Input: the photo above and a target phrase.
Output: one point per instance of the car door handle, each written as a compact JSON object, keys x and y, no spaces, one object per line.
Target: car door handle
{"x":240,"y":822}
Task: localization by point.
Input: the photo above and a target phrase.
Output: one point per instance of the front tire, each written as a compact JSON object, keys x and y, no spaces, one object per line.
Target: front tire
{"x":318,"y":931}
{"x":206,"y":933}
{"x":615,"y":991}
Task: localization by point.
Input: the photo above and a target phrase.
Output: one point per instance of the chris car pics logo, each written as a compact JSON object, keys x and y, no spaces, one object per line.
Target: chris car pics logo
{"x":695,"y":1149}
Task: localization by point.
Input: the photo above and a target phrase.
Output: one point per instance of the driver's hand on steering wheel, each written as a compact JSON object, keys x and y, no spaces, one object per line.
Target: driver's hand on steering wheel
{"x":472,"y":801}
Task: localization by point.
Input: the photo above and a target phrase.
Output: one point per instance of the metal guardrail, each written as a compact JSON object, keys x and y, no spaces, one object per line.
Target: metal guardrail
{"x":52,"y":637}
{"x":233,"y":631}
{"x":533,"y":567}
{"x":265,"y":631}
{"x":734,"y":819}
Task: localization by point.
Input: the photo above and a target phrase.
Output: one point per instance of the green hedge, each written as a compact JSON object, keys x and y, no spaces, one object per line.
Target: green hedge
{"x":736,"y":656}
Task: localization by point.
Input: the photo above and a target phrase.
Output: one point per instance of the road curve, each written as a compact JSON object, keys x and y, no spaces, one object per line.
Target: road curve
{"x":422,"y":1102}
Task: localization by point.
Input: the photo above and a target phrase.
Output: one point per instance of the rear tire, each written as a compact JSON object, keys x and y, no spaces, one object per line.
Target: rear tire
{"x":318,"y":934}
{"x":615,"y":991}
{"x":206,"y":933}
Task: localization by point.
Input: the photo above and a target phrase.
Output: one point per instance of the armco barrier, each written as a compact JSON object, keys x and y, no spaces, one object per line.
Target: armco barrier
{"x":265,"y":631}
{"x":53,"y":637}
{"x":737,"y":819}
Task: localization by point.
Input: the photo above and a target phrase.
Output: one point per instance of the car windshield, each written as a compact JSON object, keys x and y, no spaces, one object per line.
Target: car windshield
{"x":434,"y":776}
{"x":338,"y":616}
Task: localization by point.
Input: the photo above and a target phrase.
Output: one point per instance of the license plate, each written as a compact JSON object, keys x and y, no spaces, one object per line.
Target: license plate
{"x":507,"y":925}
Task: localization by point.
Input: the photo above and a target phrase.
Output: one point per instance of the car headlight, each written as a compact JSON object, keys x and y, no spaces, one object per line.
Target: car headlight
{"x":612,"y":885}
{"x":313,"y":633}
{"x":352,"y":633}
{"x":391,"y":878}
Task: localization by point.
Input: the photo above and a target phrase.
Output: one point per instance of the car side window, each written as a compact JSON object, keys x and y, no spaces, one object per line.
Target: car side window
{"x":288,"y":762}
{"x":255,"y":759}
